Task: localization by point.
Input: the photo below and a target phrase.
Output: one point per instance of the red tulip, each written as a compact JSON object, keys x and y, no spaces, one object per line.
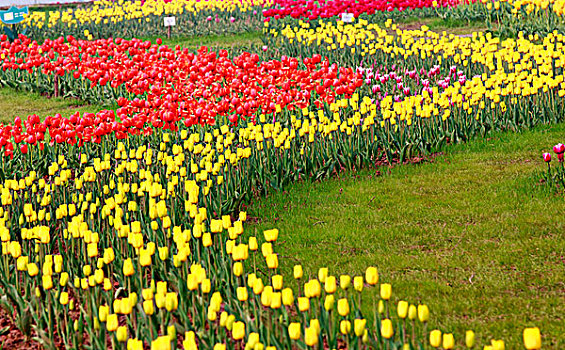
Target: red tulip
{"x":547,"y":157}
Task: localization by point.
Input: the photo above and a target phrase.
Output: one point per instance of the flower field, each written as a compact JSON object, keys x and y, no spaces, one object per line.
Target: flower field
{"x":126,"y":228}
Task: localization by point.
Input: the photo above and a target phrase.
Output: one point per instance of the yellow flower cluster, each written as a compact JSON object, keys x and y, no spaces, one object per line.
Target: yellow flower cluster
{"x":510,"y":70}
{"x":105,"y":11}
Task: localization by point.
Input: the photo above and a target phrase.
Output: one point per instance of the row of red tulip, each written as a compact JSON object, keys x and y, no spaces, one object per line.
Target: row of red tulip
{"x":165,"y":86}
{"x":313,"y":10}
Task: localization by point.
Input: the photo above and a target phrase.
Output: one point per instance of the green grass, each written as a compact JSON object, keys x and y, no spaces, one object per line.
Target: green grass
{"x":22,"y":104}
{"x":471,"y":234}
{"x":436,"y":24}
{"x":216,"y":41}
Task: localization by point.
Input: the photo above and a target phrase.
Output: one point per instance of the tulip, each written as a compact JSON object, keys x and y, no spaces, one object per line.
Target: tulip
{"x":343,"y":307}
{"x":448,"y":341}
{"x":547,"y":157}
{"x":423,"y":313}
{"x":294,"y":330}
{"x":372,"y":276}
{"x":412,"y":312}
{"x":386,"y":328}
{"x":330,"y":284}
{"x":238,"y":331}
{"x":345,"y":327}
{"x":359,"y":326}
{"x":386,"y":291}
{"x":344,"y":281}
{"x":298,"y":271}
{"x":311,"y":336}
{"x":402,"y":309}
{"x":435,"y":338}
{"x":122,"y":334}
{"x":532,"y":338}
{"x":358,"y":283}
{"x":559,"y":148}
{"x":470,"y":339}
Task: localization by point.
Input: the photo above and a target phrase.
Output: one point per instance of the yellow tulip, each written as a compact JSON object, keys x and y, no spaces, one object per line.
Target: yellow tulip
{"x":345,"y":327}
{"x":303,"y":304}
{"x":402,"y":309}
{"x":298,"y":272}
{"x":344,"y":281}
{"x":330,"y":284}
{"x":470,"y":339}
{"x":412,"y":312}
{"x":238,"y":331}
{"x":343,"y":307}
{"x":435,"y":338}
{"x":359,"y":326}
{"x":358,"y":283}
{"x":423,"y":313}
{"x":294,"y":330}
{"x":386,"y":291}
{"x":372,"y":276}
{"x":532,"y":338}
{"x":122,"y":334}
{"x":128,"y":267}
{"x":386,"y":329}
{"x":448,"y":341}
{"x":311,"y":336}
{"x":112,"y":322}
{"x":287,"y":296}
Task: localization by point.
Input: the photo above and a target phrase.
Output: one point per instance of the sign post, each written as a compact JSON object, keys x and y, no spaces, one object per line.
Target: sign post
{"x":347,"y":17}
{"x":169,"y":23}
{"x":13,"y":15}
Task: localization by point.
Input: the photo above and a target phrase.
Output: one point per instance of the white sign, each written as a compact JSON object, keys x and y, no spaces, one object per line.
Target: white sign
{"x":170,"y":21}
{"x":347,"y":17}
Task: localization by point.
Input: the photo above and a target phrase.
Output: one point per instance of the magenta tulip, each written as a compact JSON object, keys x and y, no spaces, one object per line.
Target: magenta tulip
{"x":559,"y":148}
{"x":547,"y":157}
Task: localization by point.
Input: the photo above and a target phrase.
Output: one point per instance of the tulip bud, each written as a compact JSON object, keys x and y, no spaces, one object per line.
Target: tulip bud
{"x":242,"y":293}
{"x":386,"y":329}
{"x":435,"y":338}
{"x":532,"y":338}
{"x":238,"y":331}
{"x":423,"y":313}
{"x":345,"y":327}
{"x":294,"y":330}
{"x":303,"y":304}
{"x":122,"y":334}
{"x":322,"y":274}
{"x":372,"y":276}
{"x":298,"y":271}
{"x":412,"y":312}
{"x":402,"y":309}
{"x":277,"y":281}
{"x":330,"y":284}
{"x":470,"y":339}
{"x":359,"y":326}
{"x":344,"y":281}
{"x":329,"y":302}
{"x":386,"y":291}
{"x":358,"y":283}
{"x":343,"y":307}
{"x":287,"y":297}
{"x":448,"y":341}
{"x":311,"y":336}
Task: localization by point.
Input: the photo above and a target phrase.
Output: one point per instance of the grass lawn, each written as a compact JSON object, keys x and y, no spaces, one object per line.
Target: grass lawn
{"x":471,"y":234}
{"x":212,"y":41}
{"x":22,"y":104}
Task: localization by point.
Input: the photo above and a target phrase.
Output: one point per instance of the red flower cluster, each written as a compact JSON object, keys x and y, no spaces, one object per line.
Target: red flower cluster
{"x":313,"y":10}
{"x":168,"y":86}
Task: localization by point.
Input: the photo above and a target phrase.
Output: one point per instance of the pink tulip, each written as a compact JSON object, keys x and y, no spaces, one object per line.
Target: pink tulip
{"x":559,"y":148}
{"x":547,"y":157}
